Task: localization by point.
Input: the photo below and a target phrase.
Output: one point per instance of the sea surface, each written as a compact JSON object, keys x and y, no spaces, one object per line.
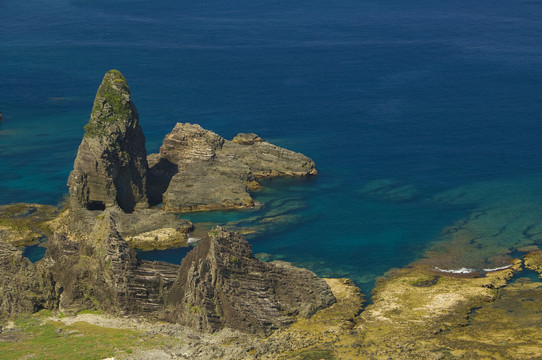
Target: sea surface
{"x":424,"y":117}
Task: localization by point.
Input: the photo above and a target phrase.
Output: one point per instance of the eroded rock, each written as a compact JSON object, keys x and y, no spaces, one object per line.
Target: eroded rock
{"x":220,"y":284}
{"x":24,"y":286}
{"x":207,"y":172}
{"x":111,"y":164}
{"x":102,"y":272}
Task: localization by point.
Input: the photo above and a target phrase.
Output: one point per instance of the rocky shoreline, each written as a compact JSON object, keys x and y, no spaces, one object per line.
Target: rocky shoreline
{"x":222,"y":302}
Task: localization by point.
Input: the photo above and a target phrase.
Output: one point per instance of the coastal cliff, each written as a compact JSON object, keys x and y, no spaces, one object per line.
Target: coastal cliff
{"x":254,"y":309}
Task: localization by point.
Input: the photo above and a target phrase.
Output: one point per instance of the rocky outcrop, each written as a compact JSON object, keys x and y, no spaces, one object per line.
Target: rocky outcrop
{"x":199,"y":170}
{"x":111,"y":164}
{"x":103,"y":272}
{"x":24,"y":286}
{"x":25,"y":224}
{"x":220,"y":284}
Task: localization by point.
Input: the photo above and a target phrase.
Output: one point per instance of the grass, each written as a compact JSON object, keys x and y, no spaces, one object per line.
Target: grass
{"x":39,"y":339}
{"x":112,"y":91}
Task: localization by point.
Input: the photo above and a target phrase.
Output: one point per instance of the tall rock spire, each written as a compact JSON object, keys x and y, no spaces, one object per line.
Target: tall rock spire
{"x":111,"y":164}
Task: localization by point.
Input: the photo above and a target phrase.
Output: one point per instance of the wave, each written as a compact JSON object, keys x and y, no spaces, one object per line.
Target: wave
{"x":468,"y":271}
{"x":458,"y":271}
{"x":498,"y":268}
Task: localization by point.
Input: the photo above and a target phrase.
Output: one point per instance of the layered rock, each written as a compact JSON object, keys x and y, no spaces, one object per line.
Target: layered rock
{"x":24,"y":286}
{"x":103,"y":272}
{"x":111,"y":164}
{"x":199,"y":170}
{"x":220,"y":284}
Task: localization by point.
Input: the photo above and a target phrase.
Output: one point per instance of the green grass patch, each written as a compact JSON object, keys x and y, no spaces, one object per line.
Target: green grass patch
{"x":39,"y":339}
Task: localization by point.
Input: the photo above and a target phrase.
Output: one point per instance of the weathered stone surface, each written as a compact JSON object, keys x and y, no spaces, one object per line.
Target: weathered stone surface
{"x":24,"y":287}
{"x":111,"y":164}
{"x":246,"y":139}
{"x":199,"y":170}
{"x":533,"y":261}
{"x":147,"y":229}
{"x":25,"y":224}
{"x":103,"y":272}
{"x":220,"y":284}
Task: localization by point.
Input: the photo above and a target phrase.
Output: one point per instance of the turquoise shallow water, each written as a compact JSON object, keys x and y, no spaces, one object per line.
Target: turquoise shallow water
{"x":418,"y":115}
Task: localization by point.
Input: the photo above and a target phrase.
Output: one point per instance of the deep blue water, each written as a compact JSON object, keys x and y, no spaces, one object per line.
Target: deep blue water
{"x":433,"y":97}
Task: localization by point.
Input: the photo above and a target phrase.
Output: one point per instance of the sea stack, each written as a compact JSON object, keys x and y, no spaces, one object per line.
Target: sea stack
{"x":111,"y":164}
{"x":198,"y":169}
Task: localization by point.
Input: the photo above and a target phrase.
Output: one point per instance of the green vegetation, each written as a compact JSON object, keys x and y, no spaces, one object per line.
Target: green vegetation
{"x":39,"y":339}
{"x":195,"y":309}
{"x":24,"y":224}
{"x":314,"y":355}
{"x":114,"y":94}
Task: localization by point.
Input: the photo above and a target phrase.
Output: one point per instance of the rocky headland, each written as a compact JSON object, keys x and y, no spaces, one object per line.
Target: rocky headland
{"x":221,"y":302}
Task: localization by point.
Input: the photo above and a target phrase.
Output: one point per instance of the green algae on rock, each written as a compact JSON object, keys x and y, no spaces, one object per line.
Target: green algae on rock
{"x":25,"y":224}
{"x":111,"y":164}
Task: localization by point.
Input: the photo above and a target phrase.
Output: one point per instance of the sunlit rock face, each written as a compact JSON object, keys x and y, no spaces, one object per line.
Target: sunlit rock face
{"x":220,"y":284}
{"x":111,"y":164}
{"x":197,"y":169}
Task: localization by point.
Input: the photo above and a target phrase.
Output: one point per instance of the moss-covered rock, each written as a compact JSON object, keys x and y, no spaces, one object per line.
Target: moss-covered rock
{"x":111,"y":164}
{"x":25,"y":224}
{"x":533,"y":261}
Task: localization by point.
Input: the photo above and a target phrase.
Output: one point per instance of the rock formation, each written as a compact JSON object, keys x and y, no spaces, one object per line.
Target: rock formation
{"x":90,"y":262}
{"x":25,"y":224}
{"x":111,"y":164}
{"x":220,"y":284}
{"x":24,"y":287}
{"x":199,"y":170}
{"x":103,"y":272}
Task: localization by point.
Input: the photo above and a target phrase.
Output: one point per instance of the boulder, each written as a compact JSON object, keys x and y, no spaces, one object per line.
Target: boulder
{"x":111,"y":164}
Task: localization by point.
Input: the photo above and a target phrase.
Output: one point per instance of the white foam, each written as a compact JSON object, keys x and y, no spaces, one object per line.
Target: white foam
{"x":458,"y":271}
{"x":192,"y":240}
{"x":499,"y":268}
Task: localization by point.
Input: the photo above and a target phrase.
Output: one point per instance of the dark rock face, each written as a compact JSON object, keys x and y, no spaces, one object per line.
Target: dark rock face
{"x":199,"y":170}
{"x":24,"y":287}
{"x":111,"y":164}
{"x":220,"y":284}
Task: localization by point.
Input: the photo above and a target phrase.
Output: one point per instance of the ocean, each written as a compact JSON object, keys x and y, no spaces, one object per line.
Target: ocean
{"x":423,"y":117}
